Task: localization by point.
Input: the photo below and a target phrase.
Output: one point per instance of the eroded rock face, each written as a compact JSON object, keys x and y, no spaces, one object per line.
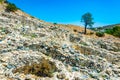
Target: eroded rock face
{"x":67,"y":56}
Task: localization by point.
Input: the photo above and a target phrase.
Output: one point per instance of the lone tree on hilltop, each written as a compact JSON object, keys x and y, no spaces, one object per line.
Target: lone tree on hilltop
{"x":87,"y":20}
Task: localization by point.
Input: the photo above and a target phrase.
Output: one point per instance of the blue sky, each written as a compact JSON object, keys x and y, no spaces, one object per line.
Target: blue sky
{"x":70,"y":11}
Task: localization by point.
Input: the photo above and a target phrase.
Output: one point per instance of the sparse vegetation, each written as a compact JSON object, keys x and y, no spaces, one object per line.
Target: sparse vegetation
{"x":32,"y":16}
{"x":2,"y":1}
{"x":5,"y":30}
{"x":11,"y":7}
{"x":100,"y":34}
{"x":33,"y":35}
{"x":53,"y":28}
{"x":91,"y":33}
{"x":83,"y":43}
{"x":44,"y":69}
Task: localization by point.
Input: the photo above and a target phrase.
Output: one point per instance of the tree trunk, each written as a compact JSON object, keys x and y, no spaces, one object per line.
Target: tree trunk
{"x":85,"y":29}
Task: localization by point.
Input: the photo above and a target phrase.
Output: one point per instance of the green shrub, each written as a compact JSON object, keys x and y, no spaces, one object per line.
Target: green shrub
{"x":115,"y":31}
{"x":33,"y":35}
{"x":11,"y":7}
{"x":5,"y":30}
{"x":32,"y":16}
{"x":109,"y":31}
{"x":55,"y":23}
{"x":83,"y":43}
{"x":100,"y":34}
{"x":53,"y":28}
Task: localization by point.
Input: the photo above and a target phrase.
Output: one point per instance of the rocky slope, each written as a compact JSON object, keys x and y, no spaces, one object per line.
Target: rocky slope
{"x":31,"y":49}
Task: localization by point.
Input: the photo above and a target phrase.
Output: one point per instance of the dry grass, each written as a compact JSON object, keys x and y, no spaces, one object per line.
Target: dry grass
{"x":82,"y":50}
{"x":44,"y":69}
{"x":77,"y":29}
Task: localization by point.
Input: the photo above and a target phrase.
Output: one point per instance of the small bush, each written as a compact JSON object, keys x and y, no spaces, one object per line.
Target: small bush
{"x":5,"y":30}
{"x":100,"y":34}
{"x":75,"y":30}
{"x":116,"y":31}
{"x":53,"y":28}
{"x":33,"y":35}
{"x":11,"y":7}
{"x":43,"y":69}
{"x":83,"y":43}
{"x":32,"y":16}
{"x":55,"y":23}
{"x":91,"y":33}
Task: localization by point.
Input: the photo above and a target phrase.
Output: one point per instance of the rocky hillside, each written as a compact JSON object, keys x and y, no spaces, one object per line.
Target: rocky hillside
{"x":31,"y":49}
